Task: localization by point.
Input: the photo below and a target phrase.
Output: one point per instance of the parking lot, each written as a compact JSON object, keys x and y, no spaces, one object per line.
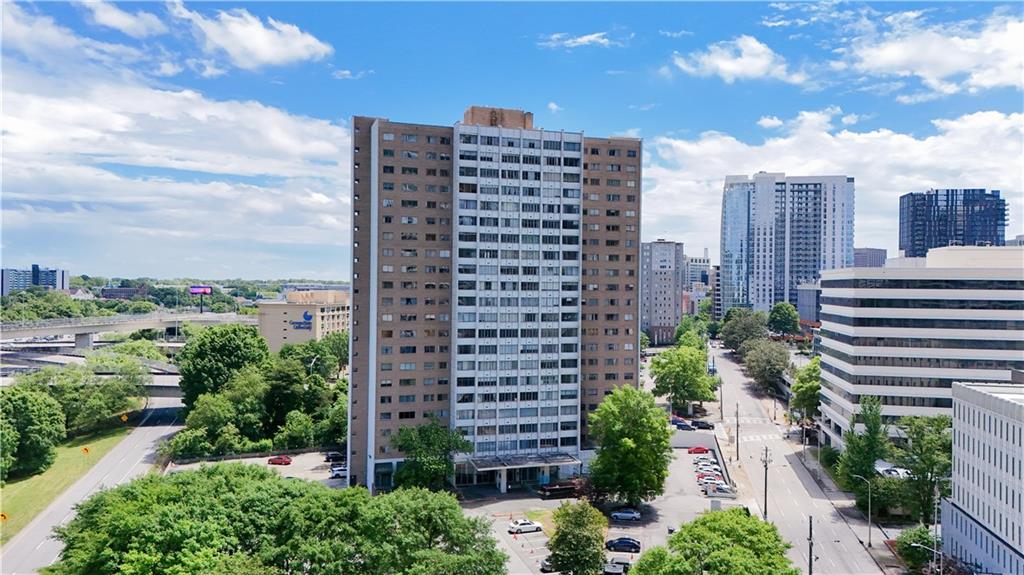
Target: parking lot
{"x":681,"y":502}
{"x":309,"y":466}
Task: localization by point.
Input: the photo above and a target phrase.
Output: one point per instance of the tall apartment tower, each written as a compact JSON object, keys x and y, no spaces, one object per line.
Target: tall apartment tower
{"x":664,"y":277}
{"x":951,"y":217}
{"x":779,"y":232}
{"x":494,"y":288}
{"x":869,"y":257}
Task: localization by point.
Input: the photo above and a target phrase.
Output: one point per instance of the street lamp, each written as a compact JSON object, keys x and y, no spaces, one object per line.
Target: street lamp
{"x":866,"y":480}
{"x":315,"y":357}
{"x":934,"y":552}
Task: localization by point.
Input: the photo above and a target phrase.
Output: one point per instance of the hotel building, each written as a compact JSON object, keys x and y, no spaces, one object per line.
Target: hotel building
{"x":302,"y":316}
{"x":495,"y":287}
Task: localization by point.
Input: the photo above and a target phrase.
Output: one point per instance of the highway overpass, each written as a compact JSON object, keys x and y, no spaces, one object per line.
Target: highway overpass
{"x":84,"y":328}
{"x":162,"y":385}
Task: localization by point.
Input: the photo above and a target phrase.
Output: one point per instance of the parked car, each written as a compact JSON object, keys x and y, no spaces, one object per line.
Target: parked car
{"x":280,"y":460}
{"x":624,"y":544}
{"x":558,"y":490}
{"x":698,"y":450}
{"x":683,"y":426}
{"x":626,"y":515}
{"x":338,"y":472}
{"x":705,"y":457}
{"x":524,"y":526}
{"x":545,"y":566}
{"x":709,"y":475}
{"x":702,"y":424}
{"x":333,"y":456}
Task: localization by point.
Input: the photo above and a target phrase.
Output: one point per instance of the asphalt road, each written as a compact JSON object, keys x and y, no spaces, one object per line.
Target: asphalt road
{"x":33,"y":548}
{"x":793,"y":495}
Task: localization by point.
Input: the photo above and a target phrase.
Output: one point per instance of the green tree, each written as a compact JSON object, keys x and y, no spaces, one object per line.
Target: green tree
{"x":577,"y":546}
{"x":693,"y":339}
{"x":720,"y":543}
{"x":214,"y":354}
{"x":766,"y":361}
{"x":142,"y":348}
{"x":338,"y":344}
{"x":188,"y":443}
{"x":927,"y":453}
{"x":704,"y":308}
{"x":907,"y":546}
{"x":233,"y":518}
{"x":212,"y":412}
{"x":806,"y":390}
{"x":633,"y":448}
{"x":317,"y":357}
{"x":287,"y":391}
{"x":887,"y":494}
{"x":714,"y":329}
{"x":681,"y":374}
{"x":430,"y":451}
{"x":645,"y":342}
{"x":39,"y":423}
{"x":9,"y":438}
{"x":246,"y":391}
{"x":690,"y":323}
{"x":742,"y":324}
{"x":784,"y":319}
{"x":296,"y":433}
{"x":333,"y":429}
{"x":864,"y":448}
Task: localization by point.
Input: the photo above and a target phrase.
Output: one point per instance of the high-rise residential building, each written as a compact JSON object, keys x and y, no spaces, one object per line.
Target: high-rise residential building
{"x":697,"y":269}
{"x":303,"y":316}
{"x":12,"y":280}
{"x":716,"y":293}
{"x":781,"y":231}
{"x":869,"y":257}
{"x":906,"y":332}
{"x":494,"y":288}
{"x":983,"y":519}
{"x":951,"y":217}
{"x":663,"y":278}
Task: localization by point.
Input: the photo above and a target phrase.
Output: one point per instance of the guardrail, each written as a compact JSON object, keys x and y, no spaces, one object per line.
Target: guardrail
{"x":123,"y":318}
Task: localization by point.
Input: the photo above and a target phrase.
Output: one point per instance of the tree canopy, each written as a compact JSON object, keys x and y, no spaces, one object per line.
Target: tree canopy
{"x":927,"y":453}
{"x":742,"y":324}
{"x":633,"y":446}
{"x":338,"y":344}
{"x":784,"y":319}
{"x":317,"y":357}
{"x":864,"y":448}
{"x":37,"y":425}
{"x":212,"y":355}
{"x":720,"y":543}
{"x":681,"y":374}
{"x":807,"y":389}
{"x":577,"y":546}
{"x":237,"y":518}
{"x":907,"y":546}
{"x":765,"y":361}
{"x":430,"y":451}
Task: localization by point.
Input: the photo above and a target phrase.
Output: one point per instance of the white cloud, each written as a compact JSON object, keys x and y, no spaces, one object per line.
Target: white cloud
{"x":769,"y":122}
{"x":248,"y":42}
{"x":683,"y":179}
{"x":615,"y":72}
{"x":350,"y":75}
{"x":167,"y":69}
{"x":850,"y":119}
{"x":743,"y":58}
{"x":628,"y":133}
{"x":664,"y":72}
{"x":554,"y":108}
{"x":643,"y":107}
{"x":205,"y":67}
{"x":948,"y":58}
{"x":98,"y":156}
{"x":675,"y":34}
{"x":566,"y":40}
{"x":138,"y":25}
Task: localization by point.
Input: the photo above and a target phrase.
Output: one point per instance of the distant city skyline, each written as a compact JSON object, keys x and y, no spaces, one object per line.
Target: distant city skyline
{"x":190,"y":139}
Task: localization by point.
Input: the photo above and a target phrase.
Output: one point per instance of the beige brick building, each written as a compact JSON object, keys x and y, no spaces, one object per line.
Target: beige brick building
{"x":303,"y":316}
{"x":494,"y":287}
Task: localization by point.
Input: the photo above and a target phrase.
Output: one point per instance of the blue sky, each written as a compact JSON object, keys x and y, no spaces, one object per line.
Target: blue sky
{"x":211,"y":139}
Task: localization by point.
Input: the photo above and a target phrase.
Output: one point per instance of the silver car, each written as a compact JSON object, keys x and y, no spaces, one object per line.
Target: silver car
{"x":626,"y":515}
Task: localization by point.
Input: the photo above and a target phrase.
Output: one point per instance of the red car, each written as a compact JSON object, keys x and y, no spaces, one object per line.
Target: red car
{"x":698,"y":450}
{"x":280,"y":460}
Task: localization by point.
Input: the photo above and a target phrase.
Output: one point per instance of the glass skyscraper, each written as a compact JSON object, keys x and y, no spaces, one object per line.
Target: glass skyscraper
{"x":951,"y":217}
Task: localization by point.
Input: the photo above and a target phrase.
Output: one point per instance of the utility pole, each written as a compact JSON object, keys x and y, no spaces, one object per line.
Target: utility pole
{"x":810,"y":546}
{"x":766,"y":459}
{"x":721,"y":398}
{"x":737,"y":431}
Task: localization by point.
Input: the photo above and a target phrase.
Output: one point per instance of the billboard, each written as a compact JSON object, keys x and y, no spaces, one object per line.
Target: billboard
{"x":200,"y":290}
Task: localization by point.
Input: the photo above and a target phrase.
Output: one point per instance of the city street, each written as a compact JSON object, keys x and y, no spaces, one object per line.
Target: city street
{"x":33,"y":548}
{"x":793,"y":495}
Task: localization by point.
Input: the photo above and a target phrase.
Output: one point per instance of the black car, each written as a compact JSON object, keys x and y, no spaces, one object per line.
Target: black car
{"x":697,"y":424}
{"x":623,"y":544}
{"x":683,"y":426}
{"x":333,"y":456}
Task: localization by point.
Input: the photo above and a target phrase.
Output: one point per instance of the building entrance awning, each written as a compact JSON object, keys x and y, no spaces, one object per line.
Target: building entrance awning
{"x":519,"y":461}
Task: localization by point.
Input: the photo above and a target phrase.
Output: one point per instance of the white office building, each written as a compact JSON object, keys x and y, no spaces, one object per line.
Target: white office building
{"x":983,"y":519}
{"x":904,"y":333}
{"x":779,"y":232}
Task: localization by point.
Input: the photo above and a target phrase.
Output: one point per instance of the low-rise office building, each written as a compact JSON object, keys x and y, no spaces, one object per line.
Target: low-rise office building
{"x":904,"y":333}
{"x":983,"y":519}
{"x":12,"y":280}
{"x":303,"y":316}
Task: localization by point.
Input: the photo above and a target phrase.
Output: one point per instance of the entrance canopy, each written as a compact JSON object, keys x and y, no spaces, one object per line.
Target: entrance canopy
{"x":518,"y":461}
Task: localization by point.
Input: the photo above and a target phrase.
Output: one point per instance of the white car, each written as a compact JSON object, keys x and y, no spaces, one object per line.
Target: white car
{"x":709,"y":468}
{"x":524,"y":526}
{"x":626,"y":515}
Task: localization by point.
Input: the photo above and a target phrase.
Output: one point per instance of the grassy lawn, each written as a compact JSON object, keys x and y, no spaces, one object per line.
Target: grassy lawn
{"x":543,"y":516}
{"x":22,"y":499}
